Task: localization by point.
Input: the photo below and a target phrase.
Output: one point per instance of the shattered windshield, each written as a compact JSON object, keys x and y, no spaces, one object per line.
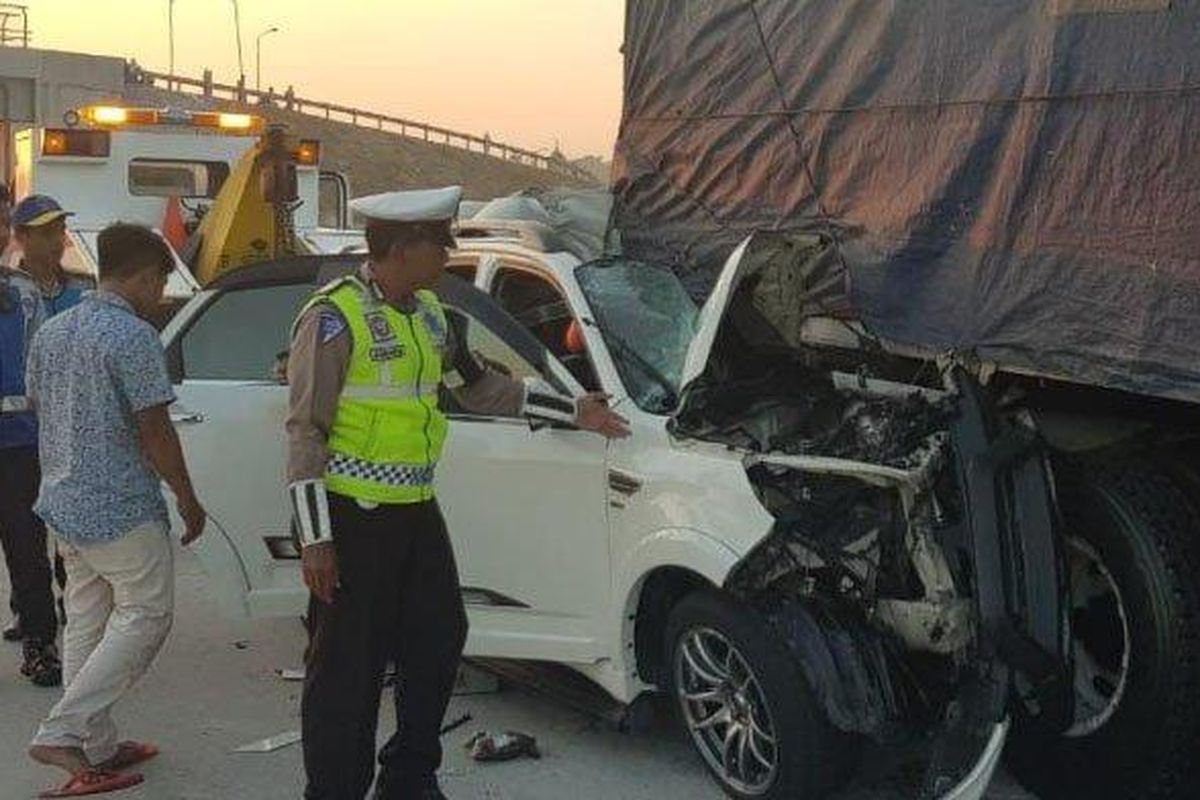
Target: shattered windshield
{"x":647,"y":320}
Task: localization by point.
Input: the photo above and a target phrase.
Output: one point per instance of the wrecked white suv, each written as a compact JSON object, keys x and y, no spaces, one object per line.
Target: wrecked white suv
{"x":805,"y":558}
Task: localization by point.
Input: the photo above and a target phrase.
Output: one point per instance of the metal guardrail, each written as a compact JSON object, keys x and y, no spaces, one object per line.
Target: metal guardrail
{"x":362,"y":118}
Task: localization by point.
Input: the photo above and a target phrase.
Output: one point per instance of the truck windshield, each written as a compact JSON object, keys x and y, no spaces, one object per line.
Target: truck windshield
{"x":647,"y":320}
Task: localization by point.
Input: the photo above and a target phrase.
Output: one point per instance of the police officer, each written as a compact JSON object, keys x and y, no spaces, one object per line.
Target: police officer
{"x":365,"y":432}
{"x":35,"y":291}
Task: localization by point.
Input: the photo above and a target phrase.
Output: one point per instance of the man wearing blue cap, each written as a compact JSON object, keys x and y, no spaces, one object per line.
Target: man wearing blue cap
{"x":365,"y":432}
{"x":29,"y":295}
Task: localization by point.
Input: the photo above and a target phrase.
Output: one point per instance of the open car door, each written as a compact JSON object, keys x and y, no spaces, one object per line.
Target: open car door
{"x":501,"y":482}
{"x":223,"y":352}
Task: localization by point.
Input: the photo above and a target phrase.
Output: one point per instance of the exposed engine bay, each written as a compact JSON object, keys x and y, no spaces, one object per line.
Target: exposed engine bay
{"x":858,"y":475}
{"x":897,"y":503}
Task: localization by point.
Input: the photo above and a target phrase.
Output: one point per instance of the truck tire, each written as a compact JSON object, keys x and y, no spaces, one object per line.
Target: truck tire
{"x":1132,"y":542}
{"x":744,"y":704}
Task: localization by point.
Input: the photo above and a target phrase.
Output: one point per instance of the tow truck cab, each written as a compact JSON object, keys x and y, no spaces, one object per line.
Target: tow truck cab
{"x":111,"y":163}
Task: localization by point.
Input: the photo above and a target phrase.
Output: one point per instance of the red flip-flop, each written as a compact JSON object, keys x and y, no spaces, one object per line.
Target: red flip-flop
{"x":129,"y":754}
{"x":94,"y":781}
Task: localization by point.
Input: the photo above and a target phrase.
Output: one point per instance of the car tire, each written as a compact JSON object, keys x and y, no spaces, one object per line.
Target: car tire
{"x":1132,"y":541}
{"x":710,"y":639}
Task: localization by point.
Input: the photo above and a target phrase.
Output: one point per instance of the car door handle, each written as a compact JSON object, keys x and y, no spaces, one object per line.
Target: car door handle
{"x":622,"y":483}
{"x":186,"y":418}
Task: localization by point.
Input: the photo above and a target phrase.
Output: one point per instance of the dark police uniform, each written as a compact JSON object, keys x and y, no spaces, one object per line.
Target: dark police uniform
{"x":364,"y":433}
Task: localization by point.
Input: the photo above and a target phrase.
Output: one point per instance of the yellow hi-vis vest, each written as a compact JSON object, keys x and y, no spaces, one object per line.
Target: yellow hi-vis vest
{"x":388,"y":432}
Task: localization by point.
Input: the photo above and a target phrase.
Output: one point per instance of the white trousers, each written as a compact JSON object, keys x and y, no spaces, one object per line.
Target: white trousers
{"x":120,"y":598}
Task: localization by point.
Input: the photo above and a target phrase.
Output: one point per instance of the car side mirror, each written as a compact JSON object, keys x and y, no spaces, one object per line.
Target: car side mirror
{"x":279,"y":368}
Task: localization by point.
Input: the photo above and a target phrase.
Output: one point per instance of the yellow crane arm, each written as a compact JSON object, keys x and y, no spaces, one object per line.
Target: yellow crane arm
{"x":249,"y":221}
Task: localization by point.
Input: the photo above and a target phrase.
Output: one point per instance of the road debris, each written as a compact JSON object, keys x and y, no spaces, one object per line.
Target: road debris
{"x":290,"y":674}
{"x":485,"y":746}
{"x":456,"y":724}
{"x":271,"y":743}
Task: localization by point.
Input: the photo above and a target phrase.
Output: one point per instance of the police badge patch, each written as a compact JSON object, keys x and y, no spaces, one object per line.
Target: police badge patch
{"x":332,"y":325}
{"x":380,"y":328}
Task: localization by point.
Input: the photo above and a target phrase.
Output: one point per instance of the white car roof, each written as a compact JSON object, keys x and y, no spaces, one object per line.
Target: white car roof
{"x":560,"y":264}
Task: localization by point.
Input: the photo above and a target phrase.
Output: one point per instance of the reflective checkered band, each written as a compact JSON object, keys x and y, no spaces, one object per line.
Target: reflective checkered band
{"x":386,"y":474}
{"x":14,"y":404}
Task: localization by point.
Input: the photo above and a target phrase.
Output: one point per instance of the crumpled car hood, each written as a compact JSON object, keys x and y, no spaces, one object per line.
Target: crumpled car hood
{"x":769,"y":285}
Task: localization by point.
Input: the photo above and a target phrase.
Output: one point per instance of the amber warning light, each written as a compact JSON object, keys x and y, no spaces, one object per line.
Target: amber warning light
{"x":119,"y":117}
{"x":75,"y":142}
{"x":105,"y":115}
{"x":115,"y":116}
{"x":308,"y":154}
{"x":227,"y":122}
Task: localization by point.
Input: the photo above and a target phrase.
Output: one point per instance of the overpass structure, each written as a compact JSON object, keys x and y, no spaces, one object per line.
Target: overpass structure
{"x":400,"y":126}
{"x":380,"y":151}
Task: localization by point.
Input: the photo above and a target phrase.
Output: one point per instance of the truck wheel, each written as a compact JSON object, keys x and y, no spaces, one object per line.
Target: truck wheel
{"x":744,"y":704}
{"x":1132,"y":552}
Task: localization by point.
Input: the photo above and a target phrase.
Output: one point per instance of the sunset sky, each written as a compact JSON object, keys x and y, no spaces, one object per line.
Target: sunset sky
{"x":529,"y":72}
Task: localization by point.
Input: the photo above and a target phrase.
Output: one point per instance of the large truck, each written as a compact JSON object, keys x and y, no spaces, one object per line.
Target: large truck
{"x":1012,"y":188}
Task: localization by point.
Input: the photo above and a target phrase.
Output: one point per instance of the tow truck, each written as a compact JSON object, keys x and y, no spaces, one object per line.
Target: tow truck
{"x":215,"y":184}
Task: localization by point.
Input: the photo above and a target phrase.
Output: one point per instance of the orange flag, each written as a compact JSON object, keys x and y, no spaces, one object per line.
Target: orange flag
{"x":172,"y":227}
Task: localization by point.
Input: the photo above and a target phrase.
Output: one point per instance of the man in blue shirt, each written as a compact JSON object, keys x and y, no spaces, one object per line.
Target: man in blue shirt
{"x":97,"y":377}
{"x":29,"y":296}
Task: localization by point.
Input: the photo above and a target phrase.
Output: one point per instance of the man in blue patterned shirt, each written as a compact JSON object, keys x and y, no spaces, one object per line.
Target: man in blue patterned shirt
{"x":98,"y":380}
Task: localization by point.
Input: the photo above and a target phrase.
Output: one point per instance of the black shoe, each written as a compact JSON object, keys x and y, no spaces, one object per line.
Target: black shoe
{"x":41,"y":663}
{"x":427,"y":791}
{"x":13,"y":632}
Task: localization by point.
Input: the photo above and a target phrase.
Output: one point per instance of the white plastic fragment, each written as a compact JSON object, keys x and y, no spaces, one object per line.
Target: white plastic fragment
{"x":271,"y":743}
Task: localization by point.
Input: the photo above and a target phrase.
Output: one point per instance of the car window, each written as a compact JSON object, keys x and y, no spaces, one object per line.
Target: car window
{"x":488,"y":348}
{"x":542,"y":309}
{"x":332,"y":191}
{"x":164,"y":177}
{"x":241,"y":334}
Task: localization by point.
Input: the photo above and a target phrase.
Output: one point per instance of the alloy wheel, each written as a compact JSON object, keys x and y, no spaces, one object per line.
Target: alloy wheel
{"x":725,"y":711}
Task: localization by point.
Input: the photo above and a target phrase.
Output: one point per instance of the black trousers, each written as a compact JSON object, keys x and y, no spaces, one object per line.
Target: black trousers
{"x":399,"y":600}
{"x":23,"y":537}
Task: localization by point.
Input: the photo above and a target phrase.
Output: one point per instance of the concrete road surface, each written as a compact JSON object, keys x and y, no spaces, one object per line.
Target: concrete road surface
{"x":215,"y":687}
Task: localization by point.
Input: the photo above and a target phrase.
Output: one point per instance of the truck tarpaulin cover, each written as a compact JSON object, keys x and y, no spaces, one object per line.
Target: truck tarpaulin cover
{"x":1021,"y":177}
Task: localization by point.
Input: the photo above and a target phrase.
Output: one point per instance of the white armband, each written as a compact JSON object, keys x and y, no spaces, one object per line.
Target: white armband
{"x":310,"y":504}
{"x":543,"y":402}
